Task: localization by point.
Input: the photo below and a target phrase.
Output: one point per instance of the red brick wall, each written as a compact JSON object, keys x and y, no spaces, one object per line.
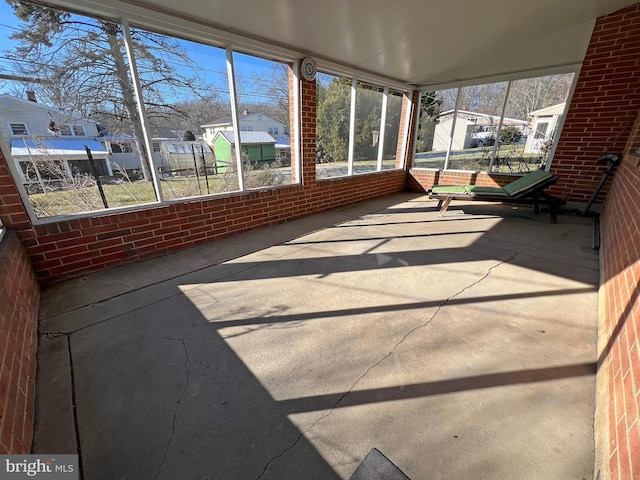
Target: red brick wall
{"x":74,"y":247}
{"x":19,"y":301}
{"x":619,"y":323}
{"x":604,"y":105}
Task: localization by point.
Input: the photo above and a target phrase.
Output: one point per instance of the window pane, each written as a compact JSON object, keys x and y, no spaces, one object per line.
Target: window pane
{"x":185,"y":111}
{"x":533,"y":112}
{"x":476,"y":126}
{"x":263,"y":108}
{"x":83,"y":88}
{"x":434,"y":128}
{"x":19,"y":129}
{"x":65,"y":131}
{"x":367,"y":128}
{"x":333,"y":114}
{"x":392,"y":130}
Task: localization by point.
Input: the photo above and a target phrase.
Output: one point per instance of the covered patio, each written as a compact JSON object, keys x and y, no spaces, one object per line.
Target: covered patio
{"x":284,"y":330}
{"x":460,"y":346}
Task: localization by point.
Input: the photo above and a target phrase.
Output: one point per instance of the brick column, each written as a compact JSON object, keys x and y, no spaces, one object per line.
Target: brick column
{"x":12,"y":211}
{"x":408,"y":114}
{"x":604,"y":105}
{"x":307,"y":127}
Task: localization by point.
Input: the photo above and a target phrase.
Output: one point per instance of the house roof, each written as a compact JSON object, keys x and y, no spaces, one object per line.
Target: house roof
{"x":55,"y":147}
{"x":283,"y":142}
{"x":6,"y":100}
{"x":218,"y":121}
{"x":228,"y":120}
{"x":552,"y":110}
{"x":246,"y":138}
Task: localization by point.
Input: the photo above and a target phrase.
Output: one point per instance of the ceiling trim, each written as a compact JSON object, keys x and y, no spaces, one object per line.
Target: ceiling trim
{"x":501,"y":77}
{"x":170,"y":22}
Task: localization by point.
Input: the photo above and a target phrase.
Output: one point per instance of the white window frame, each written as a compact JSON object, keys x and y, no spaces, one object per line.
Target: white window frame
{"x":71,"y":128}
{"x":557,"y":129}
{"x":13,"y":133}
{"x":537,"y":135}
{"x":190,"y":31}
{"x":65,"y":130}
{"x":81,"y":127}
{"x":385,"y":91}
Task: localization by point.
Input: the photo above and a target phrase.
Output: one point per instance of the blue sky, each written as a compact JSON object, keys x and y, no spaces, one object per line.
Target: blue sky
{"x":211,"y":60}
{"x":6,"y":18}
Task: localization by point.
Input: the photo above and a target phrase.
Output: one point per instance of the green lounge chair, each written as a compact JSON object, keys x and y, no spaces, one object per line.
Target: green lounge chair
{"x":527,"y":190}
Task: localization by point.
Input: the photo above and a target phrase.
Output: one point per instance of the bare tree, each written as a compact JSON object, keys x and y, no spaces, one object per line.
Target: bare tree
{"x":85,"y":62}
{"x":274,"y":87}
{"x":533,"y":94}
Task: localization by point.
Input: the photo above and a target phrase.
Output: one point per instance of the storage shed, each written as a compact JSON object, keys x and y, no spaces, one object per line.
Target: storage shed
{"x":256,"y":146}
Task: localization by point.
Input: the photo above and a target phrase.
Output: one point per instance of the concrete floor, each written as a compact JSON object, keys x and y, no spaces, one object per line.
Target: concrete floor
{"x":461,"y":347}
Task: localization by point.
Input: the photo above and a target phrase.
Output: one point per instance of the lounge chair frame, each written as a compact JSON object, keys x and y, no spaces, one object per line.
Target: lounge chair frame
{"x":534,"y":195}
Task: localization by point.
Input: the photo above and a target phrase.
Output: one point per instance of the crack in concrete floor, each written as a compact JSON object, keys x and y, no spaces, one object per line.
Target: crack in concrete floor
{"x":178,"y":401}
{"x":383,"y":358}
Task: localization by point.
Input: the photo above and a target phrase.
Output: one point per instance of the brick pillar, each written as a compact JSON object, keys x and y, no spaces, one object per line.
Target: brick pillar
{"x":407,"y":115}
{"x":12,"y":210}
{"x":307,"y":127}
{"x":604,"y":105}
{"x":308,"y":137}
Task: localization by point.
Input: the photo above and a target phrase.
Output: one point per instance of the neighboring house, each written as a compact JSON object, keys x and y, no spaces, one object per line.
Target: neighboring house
{"x":122,"y":151}
{"x":544,"y":123}
{"x":249,"y":122}
{"x":257,"y":146}
{"x":472,"y":129}
{"x":252,"y":122}
{"x":47,"y":143}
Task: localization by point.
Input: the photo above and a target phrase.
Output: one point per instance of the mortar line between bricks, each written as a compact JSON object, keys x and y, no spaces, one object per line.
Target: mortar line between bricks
{"x":383,"y":358}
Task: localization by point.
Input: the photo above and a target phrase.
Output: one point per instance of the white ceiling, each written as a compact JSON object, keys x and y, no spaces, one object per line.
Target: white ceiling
{"x":417,"y":42}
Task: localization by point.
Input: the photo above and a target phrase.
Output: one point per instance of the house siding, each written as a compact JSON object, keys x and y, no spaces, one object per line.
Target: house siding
{"x":222,"y":149}
{"x":36,"y":116}
{"x":258,"y":153}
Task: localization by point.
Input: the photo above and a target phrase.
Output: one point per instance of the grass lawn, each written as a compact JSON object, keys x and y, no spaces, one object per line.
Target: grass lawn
{"x":509,"y":159}
{"x":77,"y":198}
{"x":82,"y":198}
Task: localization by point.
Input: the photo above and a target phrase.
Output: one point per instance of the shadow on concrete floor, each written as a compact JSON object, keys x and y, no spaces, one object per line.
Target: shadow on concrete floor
{"x":293,"y":351}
